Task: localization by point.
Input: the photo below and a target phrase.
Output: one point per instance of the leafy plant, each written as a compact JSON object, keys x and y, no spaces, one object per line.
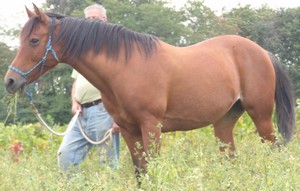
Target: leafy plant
{"x":188,"y":161}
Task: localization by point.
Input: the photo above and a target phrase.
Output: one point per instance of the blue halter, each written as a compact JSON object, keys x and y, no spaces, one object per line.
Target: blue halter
{"x":43,"y":60}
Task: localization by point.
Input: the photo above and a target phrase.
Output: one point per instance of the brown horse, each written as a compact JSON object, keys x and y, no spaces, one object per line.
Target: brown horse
{"x":150,"y":87}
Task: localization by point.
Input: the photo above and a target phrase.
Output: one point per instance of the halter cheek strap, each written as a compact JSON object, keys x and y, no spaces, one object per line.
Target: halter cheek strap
{"x":43,"y":60}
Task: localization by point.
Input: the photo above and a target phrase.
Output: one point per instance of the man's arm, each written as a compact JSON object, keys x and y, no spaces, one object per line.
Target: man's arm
{"x":75,"y":105}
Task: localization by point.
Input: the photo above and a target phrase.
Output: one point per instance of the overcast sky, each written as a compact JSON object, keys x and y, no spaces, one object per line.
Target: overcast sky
{"x":13,"y":11}
{"x":218,"y":5}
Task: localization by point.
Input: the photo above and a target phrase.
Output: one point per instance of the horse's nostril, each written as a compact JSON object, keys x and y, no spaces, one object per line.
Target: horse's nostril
{"x":10,"y":82}
{"x":14,"y":84}
{"x":10,"y":85}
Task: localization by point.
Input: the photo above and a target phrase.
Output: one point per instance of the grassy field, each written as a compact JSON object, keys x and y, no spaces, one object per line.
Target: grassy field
{"x":189,"y":161}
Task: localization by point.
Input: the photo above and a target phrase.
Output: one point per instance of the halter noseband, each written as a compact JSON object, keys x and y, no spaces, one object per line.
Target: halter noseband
{"x":43,"y":60}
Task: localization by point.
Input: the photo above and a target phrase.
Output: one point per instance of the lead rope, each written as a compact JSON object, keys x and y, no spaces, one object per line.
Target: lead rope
{"x":41,"y":120}
{"x":107,"y":135}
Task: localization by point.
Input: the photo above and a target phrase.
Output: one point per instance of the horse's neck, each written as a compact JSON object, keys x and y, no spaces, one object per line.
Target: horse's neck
{"x":96,"y":69}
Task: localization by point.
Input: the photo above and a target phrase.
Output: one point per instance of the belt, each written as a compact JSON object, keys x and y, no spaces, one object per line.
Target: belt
{"x":90,"y":104}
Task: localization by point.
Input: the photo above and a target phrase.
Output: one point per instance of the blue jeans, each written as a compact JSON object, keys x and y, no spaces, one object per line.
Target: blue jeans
{"x":74,"y":147}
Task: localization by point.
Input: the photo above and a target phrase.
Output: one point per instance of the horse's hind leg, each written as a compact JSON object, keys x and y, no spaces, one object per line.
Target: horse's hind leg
{"x":261,"y":115}
{"x":223,"y":128}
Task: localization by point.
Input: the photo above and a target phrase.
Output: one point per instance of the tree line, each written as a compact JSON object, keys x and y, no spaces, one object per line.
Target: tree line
{"x":276,"y":30}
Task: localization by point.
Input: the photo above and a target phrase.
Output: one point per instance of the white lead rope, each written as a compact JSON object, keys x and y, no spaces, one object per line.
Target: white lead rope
{"x":41,"y":120}
{"x":107,"y":135}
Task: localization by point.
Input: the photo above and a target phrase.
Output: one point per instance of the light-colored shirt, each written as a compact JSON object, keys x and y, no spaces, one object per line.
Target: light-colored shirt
{"x":85,"y":92}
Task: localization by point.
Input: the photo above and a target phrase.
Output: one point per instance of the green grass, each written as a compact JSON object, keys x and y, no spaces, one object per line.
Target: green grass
{"x":189,"y":161}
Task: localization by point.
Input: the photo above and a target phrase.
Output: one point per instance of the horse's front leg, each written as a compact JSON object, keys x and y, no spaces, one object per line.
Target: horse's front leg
{"x":134,"y":142}
{"x":142,"y":144}
{"x":151,"y":137}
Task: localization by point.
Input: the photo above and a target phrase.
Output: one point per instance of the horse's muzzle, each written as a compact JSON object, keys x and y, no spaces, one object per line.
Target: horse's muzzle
{"x":12,"y":85}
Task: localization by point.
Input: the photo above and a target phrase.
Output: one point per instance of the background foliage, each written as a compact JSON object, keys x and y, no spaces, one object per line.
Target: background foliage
{"x":188,"y":161}
{"x":276,"y":30}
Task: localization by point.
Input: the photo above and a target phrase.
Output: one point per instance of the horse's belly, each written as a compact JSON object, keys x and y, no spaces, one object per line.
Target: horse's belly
{"x":196,"y":113}
{"x":169,"y":125}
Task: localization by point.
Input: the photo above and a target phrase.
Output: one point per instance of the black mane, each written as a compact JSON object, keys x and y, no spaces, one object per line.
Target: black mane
{"x":77,"y":36}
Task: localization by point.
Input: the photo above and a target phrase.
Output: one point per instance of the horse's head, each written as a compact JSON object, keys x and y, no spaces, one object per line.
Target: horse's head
{"x":35,"y":55}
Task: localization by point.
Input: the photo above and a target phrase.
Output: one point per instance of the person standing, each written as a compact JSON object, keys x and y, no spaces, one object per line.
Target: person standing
{"x":94,"y":118}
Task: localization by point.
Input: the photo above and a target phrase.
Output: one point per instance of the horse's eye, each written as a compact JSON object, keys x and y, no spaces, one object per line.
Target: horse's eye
{"x":34,"y":41}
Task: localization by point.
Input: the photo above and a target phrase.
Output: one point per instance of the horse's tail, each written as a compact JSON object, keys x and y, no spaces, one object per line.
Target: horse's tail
{"x":285,"y":101}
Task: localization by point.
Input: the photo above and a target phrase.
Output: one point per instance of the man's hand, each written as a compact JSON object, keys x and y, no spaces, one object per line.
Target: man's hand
{"x":76,"y":107}
{"x":115,"y":128}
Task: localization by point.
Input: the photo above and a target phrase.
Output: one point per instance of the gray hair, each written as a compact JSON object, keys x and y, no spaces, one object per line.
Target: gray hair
{"x":98,"y":7}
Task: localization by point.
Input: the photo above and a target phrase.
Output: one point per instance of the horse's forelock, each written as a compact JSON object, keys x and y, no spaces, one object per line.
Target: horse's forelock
{"x":29,"y":26}
{"x":32,"y":24}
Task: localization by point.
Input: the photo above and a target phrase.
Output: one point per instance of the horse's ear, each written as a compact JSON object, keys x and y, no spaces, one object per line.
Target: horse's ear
{"x":29,"y":13}
{"x":42,"y":16}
